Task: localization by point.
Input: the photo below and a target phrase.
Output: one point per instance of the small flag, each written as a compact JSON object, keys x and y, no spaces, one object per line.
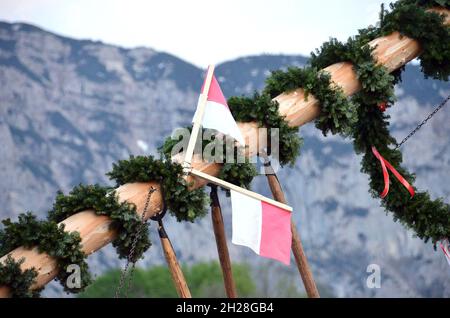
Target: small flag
{"x":445,"y":246}
{"x":263,"y":227}
{"x":217,"y":114}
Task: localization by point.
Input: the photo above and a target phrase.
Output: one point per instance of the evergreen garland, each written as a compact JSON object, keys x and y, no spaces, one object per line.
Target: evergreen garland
{"x":376,"y":82}
{"x":50,"y":238}
{"x":104,"y":201}
{"x":408,"y":17}
{"x":432,"y":3}
{"x":411,"y":20}
{"x":240,"y":174}
{"x":355,"y":50}
{"x":261,"y":109}
{"x":359,"y":117}
{"x":338,"y":114}
{"x":184,"y":204}
{"x":430,"y":219}
{"x":17,"y":280}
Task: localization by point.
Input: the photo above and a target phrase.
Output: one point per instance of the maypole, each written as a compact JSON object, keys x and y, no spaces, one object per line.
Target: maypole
{"x":392,"y":51}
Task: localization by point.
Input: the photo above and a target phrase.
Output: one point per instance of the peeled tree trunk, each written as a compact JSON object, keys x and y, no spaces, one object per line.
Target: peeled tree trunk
{"x":392,"y":51}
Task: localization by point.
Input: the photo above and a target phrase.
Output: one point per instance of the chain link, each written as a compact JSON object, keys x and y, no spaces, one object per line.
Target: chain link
{"x":132,"y":250}
{"x":423,"y":122}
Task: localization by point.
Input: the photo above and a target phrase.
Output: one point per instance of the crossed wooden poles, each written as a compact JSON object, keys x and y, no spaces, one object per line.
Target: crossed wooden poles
{"x":392,"y":51}
{"x":216,"y":213}
{"x":217,"y":218}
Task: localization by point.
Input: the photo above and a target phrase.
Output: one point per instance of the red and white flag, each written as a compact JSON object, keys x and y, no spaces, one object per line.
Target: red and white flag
{"x":263,"y":227}
{"x":217,"y":115}
{"x":445,"y":246}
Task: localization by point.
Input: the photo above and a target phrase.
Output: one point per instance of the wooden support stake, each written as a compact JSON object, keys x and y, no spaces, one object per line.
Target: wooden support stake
{"x":221,"y":242}
{"x":172,"y":262}
{"x":297,"y":247}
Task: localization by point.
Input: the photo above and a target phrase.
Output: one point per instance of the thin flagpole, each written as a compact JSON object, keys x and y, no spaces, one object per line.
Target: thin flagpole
{"x":234,"y":187}
{"x":198,"y":117}
{"x":297,"y":247}
{"x":221,"y":242}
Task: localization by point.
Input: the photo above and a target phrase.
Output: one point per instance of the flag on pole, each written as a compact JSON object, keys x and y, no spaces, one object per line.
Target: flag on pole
{"x":217,"y":114}
{"x":263,"y":227}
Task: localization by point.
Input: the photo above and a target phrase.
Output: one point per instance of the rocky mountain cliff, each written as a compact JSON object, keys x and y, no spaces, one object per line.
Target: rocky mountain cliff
{"x":70,"y":108}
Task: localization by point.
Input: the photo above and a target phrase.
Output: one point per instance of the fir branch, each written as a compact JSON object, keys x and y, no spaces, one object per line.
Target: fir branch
{"x":50,"y":238}
{"x":264,"y":111}
{"x":412,"y":20}
{"x":184,"y":204}
{"x":19,"y":282}
{"x":337,"y":114}
{"x":104,"y":201}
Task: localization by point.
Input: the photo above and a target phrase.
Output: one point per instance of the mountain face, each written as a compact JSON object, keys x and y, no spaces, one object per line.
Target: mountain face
{"x":70,"y":108}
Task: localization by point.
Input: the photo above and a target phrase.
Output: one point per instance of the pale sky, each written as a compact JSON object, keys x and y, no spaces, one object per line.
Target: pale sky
{"x":200,"y":31}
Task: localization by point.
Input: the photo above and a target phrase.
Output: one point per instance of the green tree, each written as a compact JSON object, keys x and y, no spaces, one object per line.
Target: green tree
{"x":204,"y":280}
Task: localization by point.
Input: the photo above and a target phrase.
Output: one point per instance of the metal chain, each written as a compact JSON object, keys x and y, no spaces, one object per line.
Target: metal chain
{"x":132,"y":250}
{"x":138,"y":234}
{"x":423,"y":122}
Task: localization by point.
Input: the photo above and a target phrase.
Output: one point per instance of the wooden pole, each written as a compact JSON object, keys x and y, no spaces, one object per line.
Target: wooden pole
{"x":297,"y":247}
{"x":172,"y":262}
{"x":392,"y":51}
{"x":221,"y":242}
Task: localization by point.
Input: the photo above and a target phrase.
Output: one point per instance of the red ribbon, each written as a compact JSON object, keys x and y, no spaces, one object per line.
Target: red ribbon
{"x":444,"y":249}
{"x":445,"y":246}
{"x":385,"y":165}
